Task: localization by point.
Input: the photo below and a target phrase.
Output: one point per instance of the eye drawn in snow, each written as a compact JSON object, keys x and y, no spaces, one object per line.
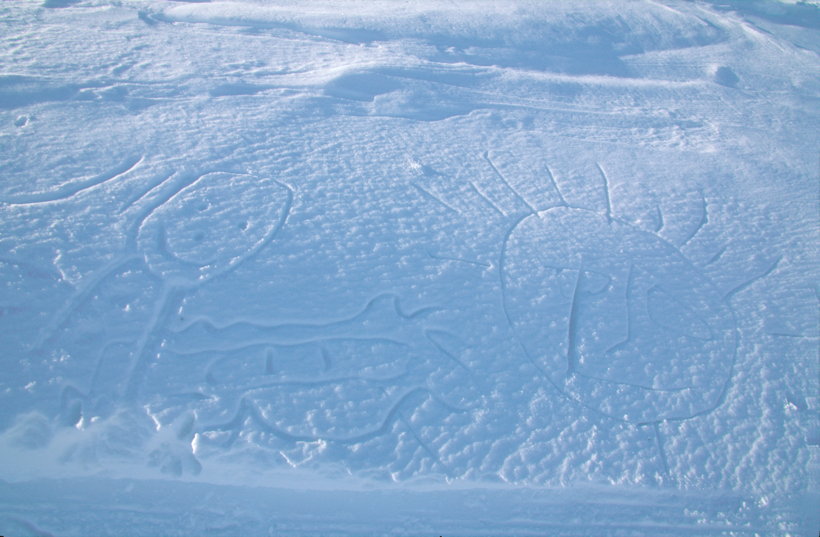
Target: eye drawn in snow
{"x":616,"y":317}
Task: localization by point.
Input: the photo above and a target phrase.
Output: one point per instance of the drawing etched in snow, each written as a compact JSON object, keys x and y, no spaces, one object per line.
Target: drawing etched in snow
{"x":177,"y":233}
{"x":183,"y":240}
{"x":315,"y":254}
{"x":617,"y":317}
{"x":339,"y":380}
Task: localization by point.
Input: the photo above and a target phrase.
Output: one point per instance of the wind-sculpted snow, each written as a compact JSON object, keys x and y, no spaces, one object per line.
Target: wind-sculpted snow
{"x":526,"y":35}
{"x":489,"y":268}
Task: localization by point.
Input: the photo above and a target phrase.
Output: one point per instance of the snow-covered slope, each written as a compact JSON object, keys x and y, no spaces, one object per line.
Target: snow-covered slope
{"x":409,"y":268}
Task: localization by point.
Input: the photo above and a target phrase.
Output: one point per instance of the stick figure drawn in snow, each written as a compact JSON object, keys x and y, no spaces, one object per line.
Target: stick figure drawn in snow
{"x":180,"y":234}
{"x":188,"y":230}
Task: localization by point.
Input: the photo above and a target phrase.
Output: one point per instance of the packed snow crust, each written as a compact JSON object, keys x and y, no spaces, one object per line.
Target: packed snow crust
{"x":409,"y":268}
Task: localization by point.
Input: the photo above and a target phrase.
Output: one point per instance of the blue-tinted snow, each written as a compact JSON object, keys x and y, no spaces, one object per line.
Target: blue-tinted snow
{"x":386,"y":268}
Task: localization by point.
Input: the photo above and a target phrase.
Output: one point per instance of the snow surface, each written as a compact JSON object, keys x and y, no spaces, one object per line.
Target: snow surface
{"x":409,"y":268}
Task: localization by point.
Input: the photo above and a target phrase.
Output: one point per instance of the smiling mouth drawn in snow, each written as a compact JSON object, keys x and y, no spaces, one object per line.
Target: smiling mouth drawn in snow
{"x":616,"y":317}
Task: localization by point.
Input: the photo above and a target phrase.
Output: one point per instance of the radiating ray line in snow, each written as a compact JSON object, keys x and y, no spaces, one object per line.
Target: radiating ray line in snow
{"x":487,"y":199}
{"x":555,"y":186}
{"x":704,"y":219}
{"x":429,"y":195}
{"x":607,"y":199}
{"x":507,"y":183}
{"x":738,"y":288}
{"x":432,"y":336}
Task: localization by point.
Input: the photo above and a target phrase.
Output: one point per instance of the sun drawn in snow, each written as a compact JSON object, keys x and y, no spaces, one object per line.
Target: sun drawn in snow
{"x":615,"y":315}
{"x":607,"y":306}
{"x":611,"y":312}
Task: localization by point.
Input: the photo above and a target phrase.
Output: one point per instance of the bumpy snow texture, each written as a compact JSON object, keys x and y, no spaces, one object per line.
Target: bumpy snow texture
{"x":335,"y":267}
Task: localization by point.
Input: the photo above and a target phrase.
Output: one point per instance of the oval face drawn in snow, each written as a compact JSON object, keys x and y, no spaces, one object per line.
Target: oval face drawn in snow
{"x":213,"y":225}
{"x":617,"y":318}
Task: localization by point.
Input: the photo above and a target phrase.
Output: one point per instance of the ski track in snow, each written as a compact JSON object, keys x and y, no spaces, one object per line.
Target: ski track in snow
{"x":451,"y":269}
